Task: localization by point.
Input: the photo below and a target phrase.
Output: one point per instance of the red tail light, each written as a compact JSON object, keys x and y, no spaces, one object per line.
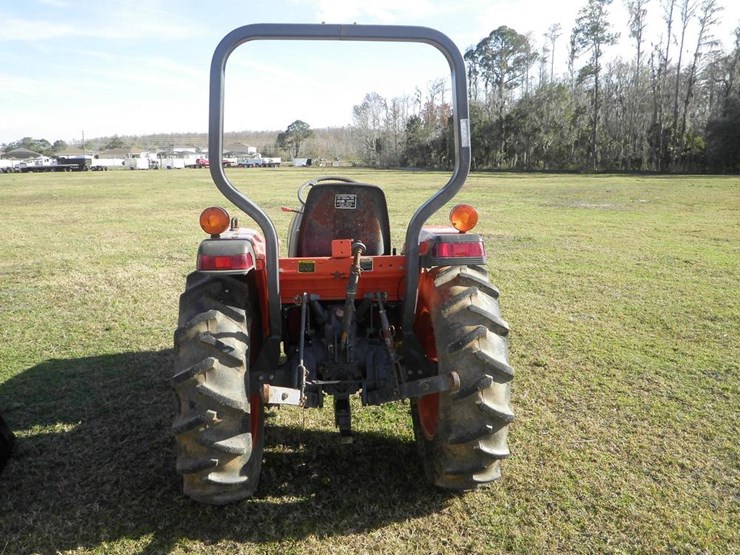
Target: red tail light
{"x":459,"y":250}
{"x":241,"y":261}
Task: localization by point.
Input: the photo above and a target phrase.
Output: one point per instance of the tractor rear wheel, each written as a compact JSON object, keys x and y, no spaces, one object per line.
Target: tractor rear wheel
{"x":219,"y":426}
{"x":462,"y":435}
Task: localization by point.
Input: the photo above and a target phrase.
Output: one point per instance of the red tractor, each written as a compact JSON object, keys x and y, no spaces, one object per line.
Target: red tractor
{"x":341,"y":314}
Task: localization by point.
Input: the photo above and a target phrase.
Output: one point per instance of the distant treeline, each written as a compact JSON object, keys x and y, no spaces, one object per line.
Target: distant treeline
{"x":675,"y":107}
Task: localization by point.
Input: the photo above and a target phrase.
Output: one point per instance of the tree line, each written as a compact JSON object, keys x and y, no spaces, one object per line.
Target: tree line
{"x":672,"y":107}
{"x":42,"y":146}
{"x":663,"y":110}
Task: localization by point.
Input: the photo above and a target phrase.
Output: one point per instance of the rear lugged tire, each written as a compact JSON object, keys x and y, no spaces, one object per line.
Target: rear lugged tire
{"x":218,"y":425}
{"x":462,"y":435}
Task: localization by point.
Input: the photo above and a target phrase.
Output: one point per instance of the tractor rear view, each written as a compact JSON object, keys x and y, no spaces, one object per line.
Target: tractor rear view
{"x":344,"y":313}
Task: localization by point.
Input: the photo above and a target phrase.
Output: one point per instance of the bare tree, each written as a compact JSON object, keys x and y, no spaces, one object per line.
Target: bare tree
{"x":638,"y":22}
{"x":473,"y":70}
{"x":544,"y":62}
{"x":368,"y":118}
{"x":734,"y":64}
{"x":590,"y":35}
{"x":553,"y":34}
{"x":708,"y":18}
{"x":668,"y":8}
{"x":687,"y":10}
{"x":658,"y":136}
{"x":531,"y":57}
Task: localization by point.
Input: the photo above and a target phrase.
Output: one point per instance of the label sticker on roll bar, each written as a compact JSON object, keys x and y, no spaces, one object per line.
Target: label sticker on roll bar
{"x":465,"y":133}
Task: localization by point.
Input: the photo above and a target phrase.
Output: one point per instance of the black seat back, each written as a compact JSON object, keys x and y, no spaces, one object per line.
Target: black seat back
{"x":344,"y":211}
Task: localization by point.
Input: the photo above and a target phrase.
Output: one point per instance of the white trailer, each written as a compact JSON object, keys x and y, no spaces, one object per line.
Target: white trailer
{"x":191,"y":160}
{"x":172,"y":163}
{"x":143,"y":161}
{"x":8,"y":166}
{"x":108,"y":163}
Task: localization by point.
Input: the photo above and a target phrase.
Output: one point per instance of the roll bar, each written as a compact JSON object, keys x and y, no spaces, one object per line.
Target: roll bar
{"x":377,"y":33}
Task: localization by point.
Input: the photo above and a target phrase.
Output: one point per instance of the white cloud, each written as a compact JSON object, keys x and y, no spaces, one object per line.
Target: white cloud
{"x":15,"y":29}
{"x":55,"y":3}
{"x":375,"y":11}
{"x":17,"y":85}
{"x":115,"y":24}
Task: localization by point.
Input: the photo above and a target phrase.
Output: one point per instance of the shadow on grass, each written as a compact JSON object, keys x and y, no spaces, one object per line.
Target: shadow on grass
{"x":95,"y":464}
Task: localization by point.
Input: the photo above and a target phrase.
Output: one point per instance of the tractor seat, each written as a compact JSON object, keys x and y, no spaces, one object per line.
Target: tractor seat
{"x":344,"y":211}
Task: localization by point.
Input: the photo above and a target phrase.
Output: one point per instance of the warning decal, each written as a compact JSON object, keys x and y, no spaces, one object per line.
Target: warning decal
{"x":345,"y":201}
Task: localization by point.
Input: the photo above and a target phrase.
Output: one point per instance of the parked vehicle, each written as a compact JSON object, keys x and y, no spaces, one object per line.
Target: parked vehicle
{"x":172,"y":163}
{"x":8,"y":166}
{"x":259,"y":161}
{"x":61,"y":164}
{"x":79,"y":163}
{"x":141,"y":162}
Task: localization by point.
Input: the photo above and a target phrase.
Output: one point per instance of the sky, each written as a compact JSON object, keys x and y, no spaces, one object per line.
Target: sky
{"x":115,"y":67}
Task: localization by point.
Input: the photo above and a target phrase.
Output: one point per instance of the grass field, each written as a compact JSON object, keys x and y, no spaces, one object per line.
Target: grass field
{"x":622,"y":294}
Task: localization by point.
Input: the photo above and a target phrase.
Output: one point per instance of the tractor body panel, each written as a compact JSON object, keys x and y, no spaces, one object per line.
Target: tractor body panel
{"x":327,"y":277}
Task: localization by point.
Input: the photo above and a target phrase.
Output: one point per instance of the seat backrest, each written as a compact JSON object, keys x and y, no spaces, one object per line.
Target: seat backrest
{"x":344,"y":211}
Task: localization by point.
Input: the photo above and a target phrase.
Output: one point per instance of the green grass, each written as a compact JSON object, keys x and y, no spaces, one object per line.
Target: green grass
{"x":622,"y":294}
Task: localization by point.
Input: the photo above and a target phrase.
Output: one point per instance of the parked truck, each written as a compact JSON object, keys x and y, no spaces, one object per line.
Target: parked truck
{"x":259,"y":161}
{"x":61,"y":164}
{"x":200,"y":162}
{"x":81,"y":163}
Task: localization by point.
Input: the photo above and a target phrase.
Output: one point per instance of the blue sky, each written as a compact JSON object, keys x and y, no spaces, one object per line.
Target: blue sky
{"x":120,"y":67}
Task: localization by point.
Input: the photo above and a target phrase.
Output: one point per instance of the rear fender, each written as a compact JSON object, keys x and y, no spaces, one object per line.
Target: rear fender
{"x":234,"y":252}
{"x":239,"y":251}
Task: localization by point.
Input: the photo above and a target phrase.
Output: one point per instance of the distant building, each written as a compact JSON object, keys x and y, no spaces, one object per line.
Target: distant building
{"x":22,"y":154}
{"x":75,"y":151}
{"x":239,"y":149}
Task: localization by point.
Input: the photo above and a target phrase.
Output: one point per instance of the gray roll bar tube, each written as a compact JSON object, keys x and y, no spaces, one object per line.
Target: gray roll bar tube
{"x":383,"y":33}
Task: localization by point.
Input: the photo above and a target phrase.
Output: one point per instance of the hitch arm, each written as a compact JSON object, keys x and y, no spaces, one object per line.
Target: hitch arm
{"x":349,"y":305}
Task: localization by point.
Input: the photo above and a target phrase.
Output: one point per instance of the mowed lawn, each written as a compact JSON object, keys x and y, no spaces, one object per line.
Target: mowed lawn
{"x":622,"y":295}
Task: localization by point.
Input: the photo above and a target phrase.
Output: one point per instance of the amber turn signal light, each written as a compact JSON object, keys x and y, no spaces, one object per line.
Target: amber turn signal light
{"x":463,"y":217}
{"x":214,"y":220}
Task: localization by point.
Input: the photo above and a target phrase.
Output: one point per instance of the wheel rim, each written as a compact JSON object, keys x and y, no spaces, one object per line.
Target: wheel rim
{"x":255,"y":416}
{"x":428,"y":411}
{"x":428,"y":406}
